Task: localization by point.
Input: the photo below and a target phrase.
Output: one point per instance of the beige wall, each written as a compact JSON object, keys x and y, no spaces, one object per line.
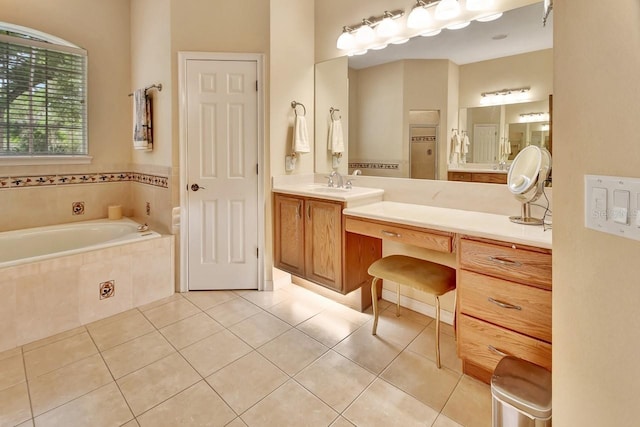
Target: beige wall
{"x":596,"y":319}
{"x":102,"y":28}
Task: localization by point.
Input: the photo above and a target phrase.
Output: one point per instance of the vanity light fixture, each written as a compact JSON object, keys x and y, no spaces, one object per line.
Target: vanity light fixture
{"x":458,"y":25}
{"x":346,"y":40}
{"x":365,"y":34}
{"x":505,"y":92}
{"x":479,"y":4}
{"x":362,"y":35}
{"x":447,"y":9}
{"x":505,"y":96}
{"x":431,"y":33}
{"x":534,"y":117}
{"x":489,"y":18}
{"x":419,"y":17}
{"x":388,"y":27}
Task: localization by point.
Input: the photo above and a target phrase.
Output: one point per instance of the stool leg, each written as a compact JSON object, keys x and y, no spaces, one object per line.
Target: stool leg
{"x":374,"y":302}
{"x":398,"y":301}
{"x":438,"y":332}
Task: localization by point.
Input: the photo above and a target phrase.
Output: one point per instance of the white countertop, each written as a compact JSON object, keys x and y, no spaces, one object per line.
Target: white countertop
{"x":476,"y":169}
{"x":354,"y":196}
{"x":479,"y":224}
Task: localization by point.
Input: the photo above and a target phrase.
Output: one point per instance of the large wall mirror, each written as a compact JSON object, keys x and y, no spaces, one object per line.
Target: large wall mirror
{"x":400,"y":105}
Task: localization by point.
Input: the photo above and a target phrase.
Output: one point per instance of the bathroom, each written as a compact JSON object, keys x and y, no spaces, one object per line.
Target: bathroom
{"x":135,"y":43}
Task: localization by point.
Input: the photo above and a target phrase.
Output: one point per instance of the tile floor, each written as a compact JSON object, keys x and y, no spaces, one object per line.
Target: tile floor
{"x":242,"y":358}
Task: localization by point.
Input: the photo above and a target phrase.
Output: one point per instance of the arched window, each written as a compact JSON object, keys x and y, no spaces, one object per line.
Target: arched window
{"x":43,"y":91}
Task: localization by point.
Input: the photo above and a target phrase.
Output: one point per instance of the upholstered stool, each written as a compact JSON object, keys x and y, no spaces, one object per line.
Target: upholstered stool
{"x":426,"y":276}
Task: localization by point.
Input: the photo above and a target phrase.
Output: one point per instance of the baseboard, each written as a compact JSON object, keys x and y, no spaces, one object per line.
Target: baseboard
{"x":418,"y":306}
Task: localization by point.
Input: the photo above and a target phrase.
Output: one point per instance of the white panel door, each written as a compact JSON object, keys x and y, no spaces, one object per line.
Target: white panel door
{"x":222,"y":178}
{"x":485,"y":143}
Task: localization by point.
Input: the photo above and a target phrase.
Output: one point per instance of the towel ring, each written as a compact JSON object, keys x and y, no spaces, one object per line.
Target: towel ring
{"x":294,"y":104}
{"x":333,"y":110}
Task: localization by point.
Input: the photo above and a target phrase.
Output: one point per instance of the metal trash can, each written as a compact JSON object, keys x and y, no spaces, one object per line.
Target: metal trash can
{"x":520,"y":394}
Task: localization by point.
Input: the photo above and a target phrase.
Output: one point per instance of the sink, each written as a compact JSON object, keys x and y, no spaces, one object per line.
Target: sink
{"x":329,"y":190}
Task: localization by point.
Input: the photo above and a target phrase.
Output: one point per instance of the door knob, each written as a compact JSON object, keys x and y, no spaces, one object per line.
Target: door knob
{"x":196,"y":187}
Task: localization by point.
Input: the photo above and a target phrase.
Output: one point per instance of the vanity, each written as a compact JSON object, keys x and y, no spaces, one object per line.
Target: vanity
{"x":504,"y":286}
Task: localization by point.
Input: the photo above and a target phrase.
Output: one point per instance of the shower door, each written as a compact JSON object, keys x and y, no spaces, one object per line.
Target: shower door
{"x":424,"y":142}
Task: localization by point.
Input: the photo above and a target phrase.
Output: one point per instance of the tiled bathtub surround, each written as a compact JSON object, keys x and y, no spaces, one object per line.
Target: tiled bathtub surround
{"x":82,"y":178}
{"x":44,"y":298}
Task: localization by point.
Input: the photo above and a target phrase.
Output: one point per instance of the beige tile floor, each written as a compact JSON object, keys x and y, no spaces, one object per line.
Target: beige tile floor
{"x":243,"y":358}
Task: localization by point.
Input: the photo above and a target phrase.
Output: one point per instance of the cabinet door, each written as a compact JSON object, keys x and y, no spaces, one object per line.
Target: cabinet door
{"x":323,"y":243}
{"x":289,"y":234}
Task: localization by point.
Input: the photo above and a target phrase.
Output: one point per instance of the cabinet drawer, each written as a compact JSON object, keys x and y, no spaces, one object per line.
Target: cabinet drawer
{"x":430,"y":239}
{"x":507,"y":262}
{"x":491,"y":178}
{"x":459,"y":176}
{"x":481,"y":343}
{"x":521,"y":308}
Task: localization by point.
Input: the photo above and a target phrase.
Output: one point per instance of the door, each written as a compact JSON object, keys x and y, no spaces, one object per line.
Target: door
{"x":423,"y":151}
{"x":289,"y":234}
{"x":323,"y":243}
{"x":222,"y":176}
{"x":485,"y":143}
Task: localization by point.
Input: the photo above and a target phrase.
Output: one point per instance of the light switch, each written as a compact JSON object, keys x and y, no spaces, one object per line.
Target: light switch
{"x":621,"y":206}
{"x":599,"y":203}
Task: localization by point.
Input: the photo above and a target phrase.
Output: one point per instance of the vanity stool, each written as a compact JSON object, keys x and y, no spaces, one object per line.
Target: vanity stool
{"x":426,"y":276}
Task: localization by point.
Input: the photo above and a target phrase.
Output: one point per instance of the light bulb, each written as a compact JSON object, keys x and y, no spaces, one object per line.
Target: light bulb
{"x":387,"y":27}
{"x":346,"y":40}
{"x":379,"y":46}
{"x":419,"y":18}
{"x":431,"y":33}
{"x":365,"y":35}
{"x":447,"y":9}
{"x":458,"y":25}
{"x":478,"y":4}
{"x":489,"y":18}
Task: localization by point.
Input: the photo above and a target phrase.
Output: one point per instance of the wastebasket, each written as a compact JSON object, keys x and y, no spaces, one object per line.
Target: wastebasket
{"x":520,"y":394}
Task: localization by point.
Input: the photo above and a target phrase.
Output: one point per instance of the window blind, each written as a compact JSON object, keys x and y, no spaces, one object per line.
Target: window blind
{"x":43,"y":108}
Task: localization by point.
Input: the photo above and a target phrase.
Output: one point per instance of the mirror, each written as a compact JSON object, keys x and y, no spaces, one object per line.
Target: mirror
{"x":515,"y":125}
{"x":526,"y":180}
{"x":388,"y":88}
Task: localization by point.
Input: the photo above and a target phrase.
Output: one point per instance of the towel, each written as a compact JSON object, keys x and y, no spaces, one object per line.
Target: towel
{"x":505,"y":149}
{"x":300,"y":135}
{"x":336,"y":137}
{"x":465,"y":147}
{"x":456,"y":148}
{"x":142,"y":129}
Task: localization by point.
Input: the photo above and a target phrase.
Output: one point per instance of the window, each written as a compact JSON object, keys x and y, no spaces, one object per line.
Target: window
{"x":43,"y":109}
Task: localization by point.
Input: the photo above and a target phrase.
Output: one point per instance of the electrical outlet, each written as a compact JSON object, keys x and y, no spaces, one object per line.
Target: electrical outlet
{"x":77,"y":208}
{"x":148,"y":208}
{"x":107,"y":289}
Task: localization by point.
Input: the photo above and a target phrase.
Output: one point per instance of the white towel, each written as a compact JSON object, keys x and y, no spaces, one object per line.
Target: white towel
{"x":505,"y":150}
{"x":465,"y":148}
{"x":142,"y":130}
{"x":454,"y":157}
{"x":336,"y":137}
{"x":300,"y":135}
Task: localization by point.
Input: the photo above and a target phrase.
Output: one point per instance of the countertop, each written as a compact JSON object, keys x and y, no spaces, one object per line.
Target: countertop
{"x":479,"y":224}
{"x":354,"y":196}
{"x":476,"y":169}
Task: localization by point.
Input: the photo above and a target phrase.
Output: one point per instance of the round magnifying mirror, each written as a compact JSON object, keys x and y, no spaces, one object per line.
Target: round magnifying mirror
{"x":526,"y":178}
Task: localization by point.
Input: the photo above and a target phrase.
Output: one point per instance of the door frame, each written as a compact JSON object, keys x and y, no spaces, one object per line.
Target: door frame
{"x":183,"y":58}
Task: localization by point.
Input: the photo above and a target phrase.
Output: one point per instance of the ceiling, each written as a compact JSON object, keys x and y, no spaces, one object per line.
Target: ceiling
{"x":522,"y":27}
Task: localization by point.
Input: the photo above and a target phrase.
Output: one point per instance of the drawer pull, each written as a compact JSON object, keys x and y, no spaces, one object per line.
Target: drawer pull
{"x":504,"y":304}
{"x":496,"y":351}
{"x":503,"y":261}
{"x":390,"y":233}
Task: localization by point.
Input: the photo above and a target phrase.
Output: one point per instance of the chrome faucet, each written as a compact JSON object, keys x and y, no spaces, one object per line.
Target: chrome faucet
{"x":340,"y":180}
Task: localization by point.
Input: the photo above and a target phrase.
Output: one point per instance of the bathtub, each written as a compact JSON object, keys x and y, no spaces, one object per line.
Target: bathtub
{"x":40,"y":243}
{"x":53,"y":278}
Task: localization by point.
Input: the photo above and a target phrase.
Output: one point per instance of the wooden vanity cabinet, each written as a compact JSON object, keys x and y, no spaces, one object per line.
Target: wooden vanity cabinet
{"x":485,"y":177}
{"x":503,"y":305}
{"x":310,"y":242}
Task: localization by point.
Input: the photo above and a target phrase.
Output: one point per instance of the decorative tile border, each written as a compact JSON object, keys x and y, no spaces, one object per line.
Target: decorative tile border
{"x":95,"y":178}
{"x":374,"y":165}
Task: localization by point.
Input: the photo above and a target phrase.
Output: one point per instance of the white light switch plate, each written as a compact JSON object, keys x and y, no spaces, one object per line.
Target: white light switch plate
{"x":612,"y":204}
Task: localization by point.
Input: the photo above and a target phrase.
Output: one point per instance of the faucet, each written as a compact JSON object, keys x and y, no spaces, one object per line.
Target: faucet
{"x":336,"y":174}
